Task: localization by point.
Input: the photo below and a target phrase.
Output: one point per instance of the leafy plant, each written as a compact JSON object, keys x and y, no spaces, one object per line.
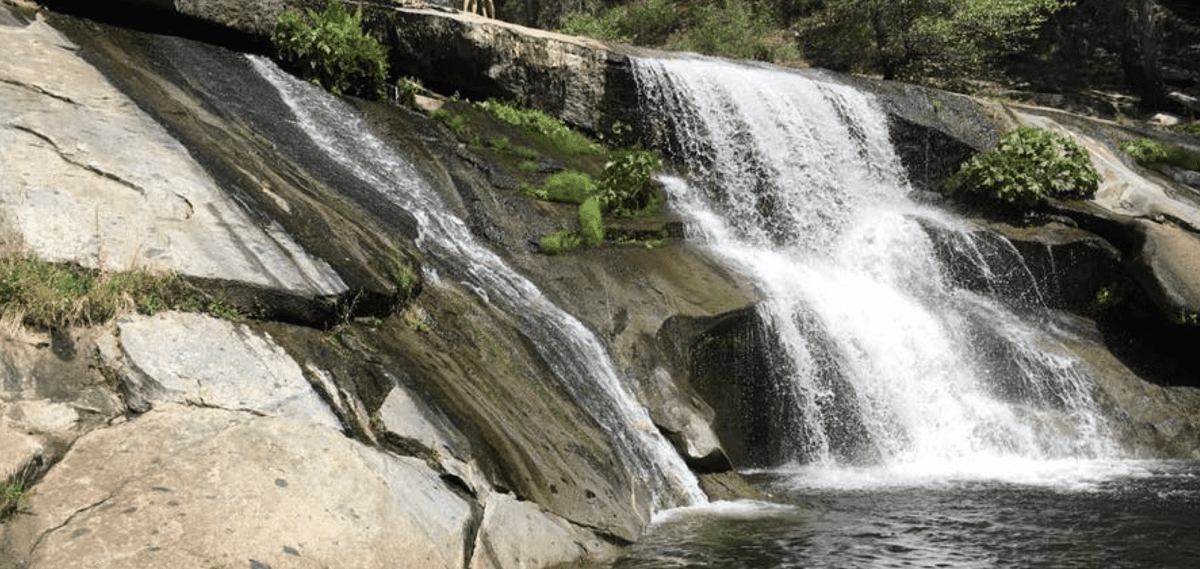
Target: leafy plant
{"x":1192,"y":128}
{"x":1030,"y":165}
{"x":591,"y":223}
{"x":533,"y":120}
{"x":330,"y":49}
{"x":12,"y":497}
{"x":560,"y":242}
{"x":1150,"y":152}
{"x":627,"y":184}
{"x":567,"y":186}
{"x":456,"y":122}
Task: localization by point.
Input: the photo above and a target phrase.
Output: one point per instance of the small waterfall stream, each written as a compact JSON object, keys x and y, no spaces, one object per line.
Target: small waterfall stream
{"x":576,"y":357}
{"x":793,"y":180}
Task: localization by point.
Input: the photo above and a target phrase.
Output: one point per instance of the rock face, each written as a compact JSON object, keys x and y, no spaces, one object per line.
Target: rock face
{"x":200,"y":360}
{"x":425,"y":395}
{"x":174,"y":487}
{"x":381,"y":411}
{"x":88,"y":177}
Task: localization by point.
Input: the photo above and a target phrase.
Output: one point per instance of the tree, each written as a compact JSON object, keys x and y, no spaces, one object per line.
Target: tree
{"x":942,"y":39}
{"x":1140,"y":51}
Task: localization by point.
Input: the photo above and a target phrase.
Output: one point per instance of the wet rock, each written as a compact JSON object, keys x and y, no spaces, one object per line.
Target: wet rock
{"x":521,"y":535}
{"x":187,"y":358}
{"x":687,"y":426}
{"x":208,"y":487}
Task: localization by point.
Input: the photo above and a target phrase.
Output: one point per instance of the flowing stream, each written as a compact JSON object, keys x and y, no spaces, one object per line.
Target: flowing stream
{"x":575,"y":355}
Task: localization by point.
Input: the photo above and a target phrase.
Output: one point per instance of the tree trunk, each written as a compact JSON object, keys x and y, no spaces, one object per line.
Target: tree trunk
{"x":1140,"y":53}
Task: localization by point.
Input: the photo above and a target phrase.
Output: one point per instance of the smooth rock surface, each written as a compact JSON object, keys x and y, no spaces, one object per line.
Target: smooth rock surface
{"x":181,"y":357}
{"x":87,"y":177}
{"x":414,"y":426}
{"x":17,"y":452}
{"x":189,"y":487}
{"x":41,"y":415}
{"x":520,"y":535}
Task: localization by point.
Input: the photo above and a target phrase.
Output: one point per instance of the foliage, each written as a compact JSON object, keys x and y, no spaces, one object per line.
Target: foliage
{"x":456,"y":122}
{"x":627,"y":184}
{"x":591,"y":224}
{"x":912,"y":39}
{"x":567,"y":186}
{"x":1149,"y":152}
{"x":730,"y":28}
{"x":407,"y":90}
{"x":331,"y":49}
{"x":1030,"y":165}
{"x":46,"y":295}
{"x":560,"y":242}
{"x":56,"y":296}
{"x":12,"y":497}
{"x":735,"y":28}
{"x":533,"y":120}
{"x":1192,"y":128}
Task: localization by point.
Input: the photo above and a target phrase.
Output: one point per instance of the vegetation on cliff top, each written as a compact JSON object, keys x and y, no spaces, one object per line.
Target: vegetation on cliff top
{"x":729,"y":28}
{"x":330,"y":49}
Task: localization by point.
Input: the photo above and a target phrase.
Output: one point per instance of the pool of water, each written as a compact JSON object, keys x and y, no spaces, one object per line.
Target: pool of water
{"x":1061,"y":515}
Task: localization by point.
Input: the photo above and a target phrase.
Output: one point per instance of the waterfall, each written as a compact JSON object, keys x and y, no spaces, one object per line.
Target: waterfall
{"x":573,"y":353}
{"x":792,"y":179}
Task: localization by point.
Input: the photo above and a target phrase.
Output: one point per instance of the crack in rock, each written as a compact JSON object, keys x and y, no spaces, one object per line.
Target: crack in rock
{"x":41,"y":91}
{"x":68,"y":159}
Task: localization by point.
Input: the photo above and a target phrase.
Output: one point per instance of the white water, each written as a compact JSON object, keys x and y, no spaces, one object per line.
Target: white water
{"x":895,"y":369}
{"x":575,"y":355}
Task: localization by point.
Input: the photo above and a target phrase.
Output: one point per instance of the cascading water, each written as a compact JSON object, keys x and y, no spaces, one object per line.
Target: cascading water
{"x":576,"y":357}
{"x":793,"y":179}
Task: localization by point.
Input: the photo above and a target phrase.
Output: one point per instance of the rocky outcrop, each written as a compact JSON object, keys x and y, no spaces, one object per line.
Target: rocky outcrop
{"x":203,"y":361}
{"x":88,"y":177}
{"x":189,"y":486}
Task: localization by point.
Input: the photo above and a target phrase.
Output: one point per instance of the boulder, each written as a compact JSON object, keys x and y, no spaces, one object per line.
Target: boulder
{"x":521,"y":535}
{"x":87,"y":177}
{"x":420,"y":430}
{"x":190,"y":487}
{"x":19,"y":454}
{"x":566,"y":76}
{"x":188,"y":358}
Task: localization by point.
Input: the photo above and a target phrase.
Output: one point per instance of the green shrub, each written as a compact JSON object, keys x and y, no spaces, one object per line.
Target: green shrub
{"x":1028,"y":166}
{"x":533,"y":120}
{"x":1150,"y":152}
{"x":560,"y":242}
{"x":627,"y":184}
{"x":591,"y":224}
{"x":568,"y":186}
{"x":735,"y":28}
{"x":606,"y":26}
{"x":1192,"y":128}
{"x":330,"y":49}
{"x":456,"y":122}
{"x":730,"y":28}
